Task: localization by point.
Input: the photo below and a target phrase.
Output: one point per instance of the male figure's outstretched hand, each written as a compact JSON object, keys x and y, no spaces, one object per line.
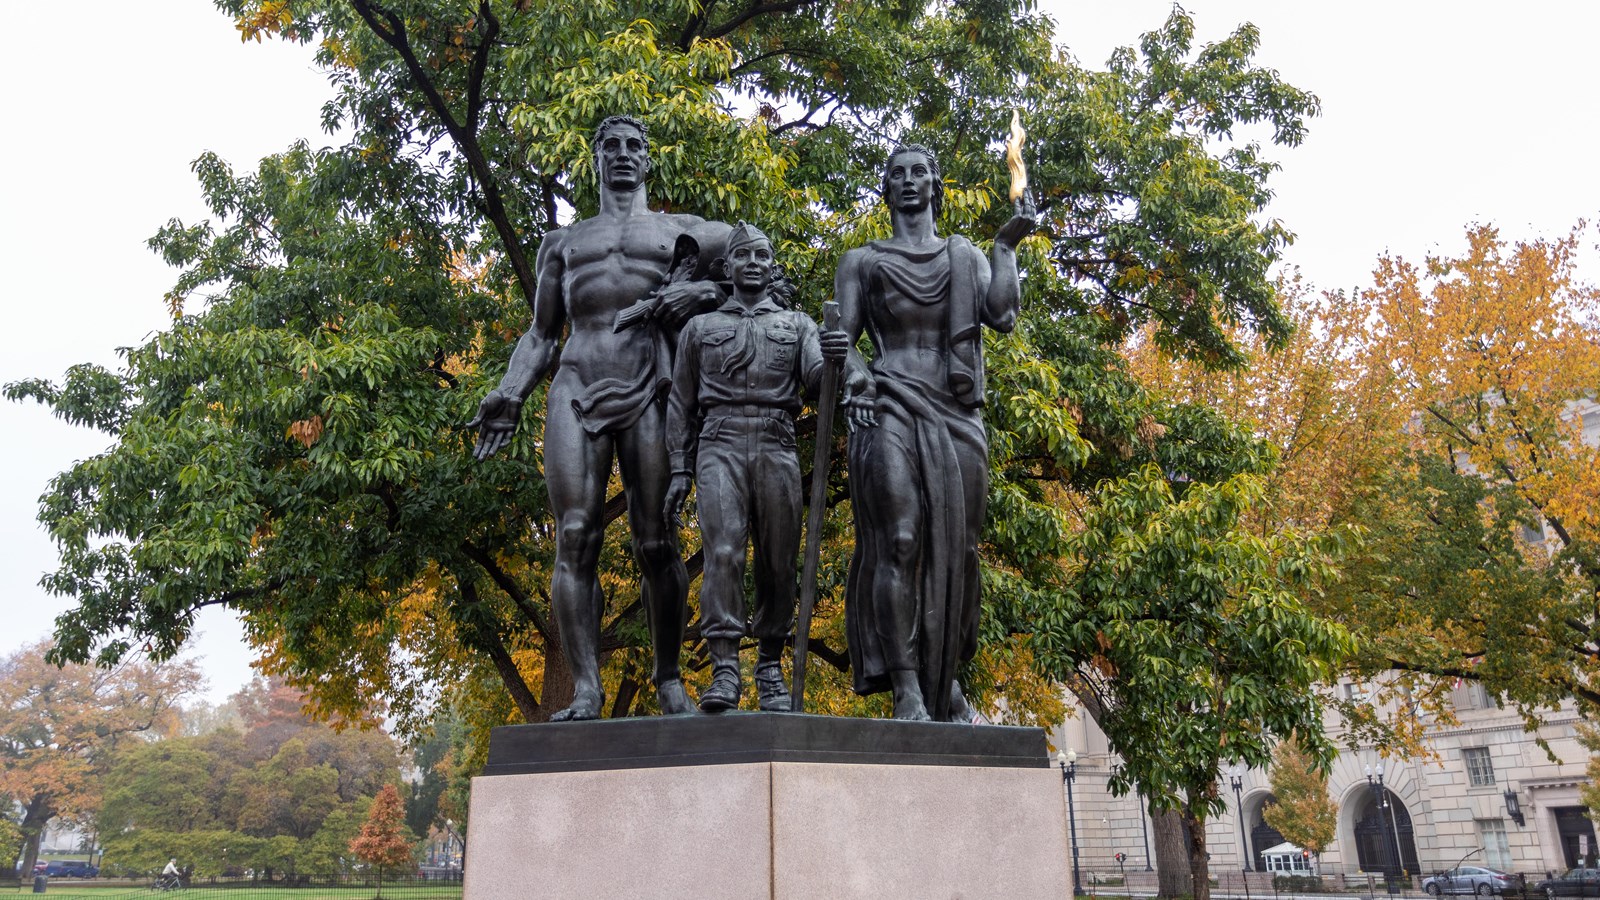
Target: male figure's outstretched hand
{"x":498,"y":414}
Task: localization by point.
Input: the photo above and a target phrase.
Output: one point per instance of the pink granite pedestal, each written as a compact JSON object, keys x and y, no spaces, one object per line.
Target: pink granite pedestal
{"x":772,"y":830}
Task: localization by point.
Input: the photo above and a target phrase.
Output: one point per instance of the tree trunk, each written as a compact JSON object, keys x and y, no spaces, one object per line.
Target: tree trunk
{"x":1172,"y":845}
{"x":556,"y":689}
{"x":1173,"y":878}
{"x":1199,"y":863}
{"x":36,"y":815}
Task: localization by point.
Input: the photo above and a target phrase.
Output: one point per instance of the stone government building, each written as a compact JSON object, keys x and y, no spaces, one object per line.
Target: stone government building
{"x":1441,"y":809}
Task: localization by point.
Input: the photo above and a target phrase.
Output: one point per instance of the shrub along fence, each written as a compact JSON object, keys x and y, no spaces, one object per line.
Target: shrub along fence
{"x":408,"y":885}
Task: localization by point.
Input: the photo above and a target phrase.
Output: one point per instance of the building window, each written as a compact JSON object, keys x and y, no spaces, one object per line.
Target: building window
{"x":1355,"y":691}
{"x":1497,"y":850}
{"x":1480,"y":769}
{"x":1480,"y":696}
{"x":1471,"y":695}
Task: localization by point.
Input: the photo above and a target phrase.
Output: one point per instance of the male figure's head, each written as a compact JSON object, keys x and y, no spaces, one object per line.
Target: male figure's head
{"x":912,"y":181}
{"x":750,"y":260}
{"x":621,"y":152}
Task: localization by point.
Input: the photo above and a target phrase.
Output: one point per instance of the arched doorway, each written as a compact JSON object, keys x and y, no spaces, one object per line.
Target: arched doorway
{"x":1384,"y":841}
{"x":1263,"y":837}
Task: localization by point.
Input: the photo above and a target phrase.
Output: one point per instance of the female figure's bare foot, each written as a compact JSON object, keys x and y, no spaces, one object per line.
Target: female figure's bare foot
{"x":585,"y":705}
{"x":962,"y":711}
{"x":908,"y":704}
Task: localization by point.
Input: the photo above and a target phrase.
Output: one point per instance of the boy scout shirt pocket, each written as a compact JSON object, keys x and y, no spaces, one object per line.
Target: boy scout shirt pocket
{"x":782,"y":338}
{"x":711,"y":337}
{"x":713,"y":344}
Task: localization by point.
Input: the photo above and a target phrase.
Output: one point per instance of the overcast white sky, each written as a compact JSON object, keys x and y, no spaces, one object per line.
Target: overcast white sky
{"x":1435,"y":115}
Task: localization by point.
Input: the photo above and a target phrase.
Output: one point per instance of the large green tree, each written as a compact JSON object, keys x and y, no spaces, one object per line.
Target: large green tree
{"x":1188,"y":637}
{"x":292,"y":449}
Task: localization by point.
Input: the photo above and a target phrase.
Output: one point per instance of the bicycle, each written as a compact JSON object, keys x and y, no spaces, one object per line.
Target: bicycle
{"x":165,"y":883}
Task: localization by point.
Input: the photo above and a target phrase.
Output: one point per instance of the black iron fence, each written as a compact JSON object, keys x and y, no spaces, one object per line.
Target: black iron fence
{"x":412,"y":884}
{"x":1130,"y":881}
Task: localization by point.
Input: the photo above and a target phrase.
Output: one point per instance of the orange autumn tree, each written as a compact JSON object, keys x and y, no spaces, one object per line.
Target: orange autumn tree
{"x":1447,"y":414}
{"x":384,"y":841}
{"x":60,"y":726}
{"x":1485,"y":534}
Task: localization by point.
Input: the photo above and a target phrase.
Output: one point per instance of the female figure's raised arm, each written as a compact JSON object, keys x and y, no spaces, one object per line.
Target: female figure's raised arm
{"x":1003,"y":300}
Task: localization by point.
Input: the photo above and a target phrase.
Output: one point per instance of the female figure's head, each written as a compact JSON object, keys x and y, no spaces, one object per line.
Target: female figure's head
{"x":912,"y":181}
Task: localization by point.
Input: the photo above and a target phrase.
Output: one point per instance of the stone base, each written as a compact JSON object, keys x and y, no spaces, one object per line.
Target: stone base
{"x":772,"y":828}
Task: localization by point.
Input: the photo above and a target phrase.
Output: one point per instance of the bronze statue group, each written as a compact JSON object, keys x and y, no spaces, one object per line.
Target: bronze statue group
{"x":686,"y":384}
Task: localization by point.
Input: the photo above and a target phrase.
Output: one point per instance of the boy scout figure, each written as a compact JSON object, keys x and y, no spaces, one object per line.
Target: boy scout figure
{"x":735,"y":393}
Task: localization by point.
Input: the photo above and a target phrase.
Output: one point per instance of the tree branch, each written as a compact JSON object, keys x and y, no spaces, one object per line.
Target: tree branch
{"x":390,"y":29}
{"x":836,"y":658}
{"x":491,"y":645}
{"x":508,"y":584}
{"x":753,"y":12}
{"x":480,"y":65}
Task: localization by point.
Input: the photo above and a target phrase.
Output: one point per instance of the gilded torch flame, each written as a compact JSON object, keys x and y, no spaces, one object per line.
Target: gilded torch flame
{"x":1019,"y":169}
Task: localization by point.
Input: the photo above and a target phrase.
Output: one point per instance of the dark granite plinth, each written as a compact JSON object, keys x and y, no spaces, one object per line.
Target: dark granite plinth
{"x":758,"y":737}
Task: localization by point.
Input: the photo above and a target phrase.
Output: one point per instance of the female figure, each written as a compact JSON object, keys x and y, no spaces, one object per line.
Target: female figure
{"x":918,"y":456}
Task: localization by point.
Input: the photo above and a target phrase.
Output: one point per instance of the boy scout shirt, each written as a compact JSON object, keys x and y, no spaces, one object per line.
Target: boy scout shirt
{"x":738,"y":361}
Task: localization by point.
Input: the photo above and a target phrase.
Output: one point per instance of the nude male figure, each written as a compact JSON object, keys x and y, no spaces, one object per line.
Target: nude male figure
{"x":606,"y":401}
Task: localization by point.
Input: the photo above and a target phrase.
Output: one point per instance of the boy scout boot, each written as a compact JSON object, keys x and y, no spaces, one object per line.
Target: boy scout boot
{"x":725,"y":686}
{"x":770,"y":686}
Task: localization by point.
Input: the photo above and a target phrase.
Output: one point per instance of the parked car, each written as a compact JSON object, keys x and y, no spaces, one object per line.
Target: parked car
{"x":1576,"y":883}
{"x":71,"y":868}
{"x":1470,"y":880}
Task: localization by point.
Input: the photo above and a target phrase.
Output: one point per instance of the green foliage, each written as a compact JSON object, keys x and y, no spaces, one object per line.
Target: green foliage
{"x":1200,"y":646}
{"x":1153,"y":227}
{"x":207,"y":852}
{"x":170,"y":785}
{"x":430,"y":758}
{"x":291,"y":447}
{"x":10,"y":832}
{"x":1188,"y":637}
{"x":287,"y":795}
{"x":1441,"y":538}
{"x":1298,"y":884}
{"x":329,"y":849}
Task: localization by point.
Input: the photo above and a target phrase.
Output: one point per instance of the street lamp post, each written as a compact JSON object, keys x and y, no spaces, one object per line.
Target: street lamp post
{"x":1381,"y":802}
{"x":1069,"y":773}
{"x":450,"y":842}
{"x":1236,"y":777}
{"x":1144,"y":810}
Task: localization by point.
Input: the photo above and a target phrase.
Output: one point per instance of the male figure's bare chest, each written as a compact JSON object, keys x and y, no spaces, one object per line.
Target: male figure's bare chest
{"x":644,"y":241}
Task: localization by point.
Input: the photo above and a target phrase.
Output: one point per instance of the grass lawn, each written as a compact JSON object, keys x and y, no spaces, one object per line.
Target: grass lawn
{"x":443,"y":890}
